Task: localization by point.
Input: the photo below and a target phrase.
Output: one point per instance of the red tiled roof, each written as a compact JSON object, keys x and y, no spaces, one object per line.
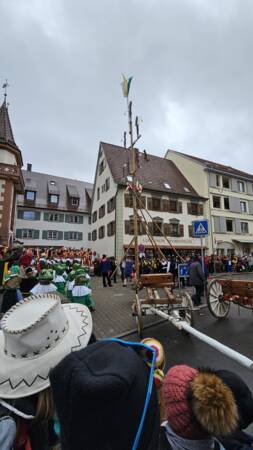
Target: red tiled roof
{"x":152,"y":174}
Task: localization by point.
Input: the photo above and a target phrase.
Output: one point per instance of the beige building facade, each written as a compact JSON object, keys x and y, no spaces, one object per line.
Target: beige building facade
{"x":168,"y":201}
{"x":229,"y":205}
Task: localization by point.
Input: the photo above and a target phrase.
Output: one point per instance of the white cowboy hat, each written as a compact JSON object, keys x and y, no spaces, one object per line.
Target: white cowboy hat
{"x":36,"y":335}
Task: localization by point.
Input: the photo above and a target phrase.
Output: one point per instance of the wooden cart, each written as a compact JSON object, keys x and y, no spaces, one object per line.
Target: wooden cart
{"x":224,"y":291}
{"x":156,"y":293}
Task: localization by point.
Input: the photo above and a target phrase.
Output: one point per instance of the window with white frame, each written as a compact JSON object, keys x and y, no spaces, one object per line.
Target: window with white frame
{"x":54,"y":198}
{"x":241,"y":186}
{"x":73,"y":235}
{"x":54,"y":217}
{"x":30,"y":195}
{"x":243,"y":206}
{"x":74,"y":201}
{"x":51,"y":234}
{"x":75,"y":219}
{"x":27,"y":234}
{"x":29,"y":215}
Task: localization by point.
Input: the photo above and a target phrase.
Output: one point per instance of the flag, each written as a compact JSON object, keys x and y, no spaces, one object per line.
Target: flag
{"x":126,"y":83}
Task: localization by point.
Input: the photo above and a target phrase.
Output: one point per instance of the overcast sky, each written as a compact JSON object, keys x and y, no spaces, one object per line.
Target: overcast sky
{"x":192,"y":62}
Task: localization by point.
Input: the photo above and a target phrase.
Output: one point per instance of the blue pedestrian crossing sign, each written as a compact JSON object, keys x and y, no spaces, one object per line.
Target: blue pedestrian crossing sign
{"x":200,"y":228}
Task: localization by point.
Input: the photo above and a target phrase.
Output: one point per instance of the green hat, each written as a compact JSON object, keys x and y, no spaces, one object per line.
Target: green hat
{"x":80,"y":280}
{"x":46,"y":275}
{"x":59,"y":269}
{"x":71,"y":275}
{"x":15,"y":270}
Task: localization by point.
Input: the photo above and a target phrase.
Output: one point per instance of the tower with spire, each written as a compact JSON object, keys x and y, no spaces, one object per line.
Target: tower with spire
{"x":11,"y":179}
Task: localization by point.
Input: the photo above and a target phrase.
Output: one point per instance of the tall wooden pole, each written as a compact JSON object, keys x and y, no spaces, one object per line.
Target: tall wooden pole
{"x":133,"y":173}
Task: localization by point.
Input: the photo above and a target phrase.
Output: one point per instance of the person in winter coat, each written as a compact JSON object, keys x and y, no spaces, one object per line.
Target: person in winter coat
{"x":105,"y":268}
{"x":12,"y":293}
{"x":197,"y":279}
{"x":239,"y":439}
{"x":81,"y":293}
{"x":128,"y":271}
{"x":198,"y":406}
{"x":35,"y":336}
{"x":105,"y":389}
{"x":28,"y":282}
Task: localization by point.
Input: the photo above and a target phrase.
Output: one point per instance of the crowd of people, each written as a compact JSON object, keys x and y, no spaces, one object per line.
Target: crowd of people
{"x":62,"y":389}
{"x":30,"y":275}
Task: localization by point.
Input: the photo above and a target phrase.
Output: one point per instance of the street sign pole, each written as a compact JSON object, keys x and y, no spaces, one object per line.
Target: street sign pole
{"x":202,"y":254}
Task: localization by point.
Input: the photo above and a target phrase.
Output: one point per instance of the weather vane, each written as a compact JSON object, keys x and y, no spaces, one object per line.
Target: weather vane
{"x":5,"y":87}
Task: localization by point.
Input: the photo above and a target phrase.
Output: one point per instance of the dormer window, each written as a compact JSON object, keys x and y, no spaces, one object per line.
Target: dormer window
{"x":54,"y":199}
{"x":30,"y":195}
{"x":74,"y":201}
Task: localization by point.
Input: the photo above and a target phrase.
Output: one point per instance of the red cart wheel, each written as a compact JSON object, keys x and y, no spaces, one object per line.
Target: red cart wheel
{"x":218,"y":307}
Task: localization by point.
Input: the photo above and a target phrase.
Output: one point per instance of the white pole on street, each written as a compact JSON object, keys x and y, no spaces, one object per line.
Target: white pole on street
{"x":229,"y":352}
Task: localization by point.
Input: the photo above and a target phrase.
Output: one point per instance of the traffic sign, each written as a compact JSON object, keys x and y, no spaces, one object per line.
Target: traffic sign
{"x":183,"y":270}
{"x":200,"y":228}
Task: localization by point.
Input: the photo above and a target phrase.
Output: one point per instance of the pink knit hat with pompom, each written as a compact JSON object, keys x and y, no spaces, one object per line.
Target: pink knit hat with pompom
{"x":176,"y":388}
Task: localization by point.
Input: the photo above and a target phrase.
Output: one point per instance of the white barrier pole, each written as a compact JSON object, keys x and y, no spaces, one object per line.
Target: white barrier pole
{"x":182,"y":325}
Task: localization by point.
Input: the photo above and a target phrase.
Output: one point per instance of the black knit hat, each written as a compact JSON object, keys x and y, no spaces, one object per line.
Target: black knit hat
{"x":99,"y":394}
{"x":242,"y":395}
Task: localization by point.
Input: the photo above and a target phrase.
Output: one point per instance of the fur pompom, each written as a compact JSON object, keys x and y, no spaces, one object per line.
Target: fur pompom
{"x":213,"y":404}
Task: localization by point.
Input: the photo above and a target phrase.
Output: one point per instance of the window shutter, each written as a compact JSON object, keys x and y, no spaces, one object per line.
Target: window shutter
{"x":127,"y":227}
{"x":250,"y":187}
{"x":37,"y":215}
{"x":67,"y":218}
{"x":179,"y":207}
{"x":60,"y":235}
{"x":234,"y":204}
{"x":181,"y":230}
{"x":238,"y":226}
{"x":200,"y":210}
{"x":46,"y":216}
{"x":89,"y":236}
{"x":189,"y":208}
{"x":166,"y":229}
{"x":165,"y":205}
{"x":36,"y":234}
{"x":149,"y":203}
{"x":143,"y":201}
{"x":61,"y":217}
{"x":234,"y":185}
{"x":223,"y":227}
{"x":150,"y":227}
{"x":190,"y":230}
{"x":250,"y":203}
{"x":66,"y":235}
{"x":20,"y":214}
{"x":44,"y":234}
{"x":212,"y":180}
{"x":216,"y":222}
{"x":170,"y":229}
{"x":19,"y":233}
{"x":80,"y":236}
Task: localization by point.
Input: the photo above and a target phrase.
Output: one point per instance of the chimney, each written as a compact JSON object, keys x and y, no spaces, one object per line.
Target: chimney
{"x":29,"y":167}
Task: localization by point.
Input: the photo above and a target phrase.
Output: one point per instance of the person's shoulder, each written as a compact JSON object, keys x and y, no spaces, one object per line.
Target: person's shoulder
{"x":163,"y":441}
